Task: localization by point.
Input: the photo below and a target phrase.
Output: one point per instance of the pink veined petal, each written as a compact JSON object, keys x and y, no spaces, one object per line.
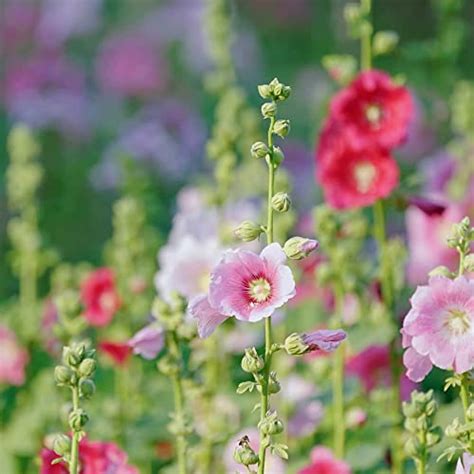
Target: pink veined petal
{"x":206,"y":316}
{"x":418,"y":366}
{"x":273,"y":254}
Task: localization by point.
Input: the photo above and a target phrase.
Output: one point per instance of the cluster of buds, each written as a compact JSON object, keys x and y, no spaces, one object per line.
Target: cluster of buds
{"x":76,"y":372}
{"x":68,"y":307}
{"x":423,"y":434}
{"x":460,"y":237}
{"x":170,"y":314}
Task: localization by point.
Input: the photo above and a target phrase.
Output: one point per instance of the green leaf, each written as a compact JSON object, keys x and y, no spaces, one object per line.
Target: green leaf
{"x":280,"y":450}
{"x":256,"y":407}
{"x":245,"y":387}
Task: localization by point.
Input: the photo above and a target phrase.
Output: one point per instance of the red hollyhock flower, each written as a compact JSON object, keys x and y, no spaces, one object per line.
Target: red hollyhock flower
{"x":118,"y":352}
{"x":353,"y":177}
{"x":99,"y":296}
{"x":95,"y":457}
{"x":373,"y":110}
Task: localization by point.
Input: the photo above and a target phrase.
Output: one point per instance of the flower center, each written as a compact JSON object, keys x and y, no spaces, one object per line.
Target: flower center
{"x":373,"y":114}
{"x":457,"y":322}
{"x":259,"y":290}
{"x":107,"y":301}
{"x":364,"y":174}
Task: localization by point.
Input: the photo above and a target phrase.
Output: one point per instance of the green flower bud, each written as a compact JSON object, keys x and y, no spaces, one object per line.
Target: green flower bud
{"x":441,"y":270}
{"x":70,"y":357}
{"x":259,"y":150}
{"x":87,"y":388}
{"x":285,"y":93}
{"x":277,"y":155}
{"x":68,"y":304}
{"x":281,"y":202}
{"x":269,"y":109}
{"x":78,"y":419}
{"x":277,"y":89}
{"x":468,"y":264}
{"x":271,"y":424}
{"x":282,"y":128}
{"x":411,"y":425}
{"x":453,"y":430}
{"x":413,"y":447}
{"x":168,"y":366}
{"x":87,"y":367}
{"x":160,"y":308}
{"x":248,"y":231}
{"x":431,"y":407}
{"x":297,"y":248}
{"x":273,"y":383}
{"x":434,"y":437}
{"x":294,"y":345}
{"x":244,"y":454}
{"x":384,"y":42}
{"x":62,"y":445}
{"x":251,"y":361}
{"x":470,"y":412}
{"x":352,"y":13}
{"x":265,"y":91}
{"x":63,"y":375}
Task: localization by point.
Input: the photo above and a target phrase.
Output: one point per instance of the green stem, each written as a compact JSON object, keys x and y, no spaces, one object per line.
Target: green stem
{"x":74,"y":458}
{"x":366,"y":38}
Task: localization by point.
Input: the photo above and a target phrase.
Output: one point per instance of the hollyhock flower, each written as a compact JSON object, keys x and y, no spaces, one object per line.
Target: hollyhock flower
{"x":273,"y":464}
{"x":324,"y":462}
{"x":372,"y":367}
{"x":325,"y":340}
{"x":118,"y":352}
{"x":353,"y":178}
{"x":418,"y":366}
{"x":465,"y":464}
{"x":129,"y":65}
{"x":148,"y":342}
{"x":96,"y":457}
{"x":13,"y":359}
{"x":99,"y":297}
{"x":373,"y":110}
{"x":244,"y":285}
{"x":441,"y":323}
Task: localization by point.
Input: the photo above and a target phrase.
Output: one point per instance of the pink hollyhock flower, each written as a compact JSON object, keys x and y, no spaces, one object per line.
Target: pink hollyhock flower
{"x":244,"y":285}
{"x":117,"y":352}
{"x":129,"y":65}
{"x":465,"y":464}
{"x":418,"y":366}
{"x":273,"y":464}
{"x":324,"y":462}
{"x":96,"y":457}
{"x":148,"y":342}
{"x":99,"y":297}
{"x":373,"y":111}
{"x":441,"y":324}
{"x":352,"y":177}
{"x":372,"y":367}
{"x":13,"y":358}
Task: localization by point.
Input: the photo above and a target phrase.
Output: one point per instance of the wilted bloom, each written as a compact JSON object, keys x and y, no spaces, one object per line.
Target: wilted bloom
{"x":244,"y":285}
{"x":373,"y":111}
{"x":325,"y":340}
{"x":441,"y":324}
{"x":118,"y":352}
{"x":324,"y":462}
{"x":13,"y":359}
{"x":96,"y":457}
{"x":148,"y":342}
{"x":99,"y":297}
{"x":352,"y":177}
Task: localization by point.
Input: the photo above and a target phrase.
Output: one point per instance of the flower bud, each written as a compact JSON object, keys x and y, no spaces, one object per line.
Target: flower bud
{"x":441,"y":270}
{"x":277,"y":155}
{"x":282,"y":128}
{"x":63,"y":375}
{"x":244,"y":454}
{"x":265,"y":91}
{"x":281,"y":202}
{"x":431,"y":407}
{"x":251,"y":361}
{"x":62,"y":445}
{"x":285,"y":93}
{"x":453,"y":430}
{"x":295,"y":345}
{"x":273,"y":383}
{"x":248,"y":231}
{"x":434,"y":437}
{"x":87,"y":367}
{"x":78,"y":419}
{"x":384,"y":42}
{"x":413,"y":447}
{"x":269,"y":109}
{"x":468,"y":264}
{"x":297,"y":248}
{"x":352,"y":13}
{"x":470,"y":412}
{"x":87,"y":388}
{"x":259,"y":150}
{"x":68,"y":304}
{"x":70,"y":357}
{"x":168,"y":366}
{"x":271,"y":424}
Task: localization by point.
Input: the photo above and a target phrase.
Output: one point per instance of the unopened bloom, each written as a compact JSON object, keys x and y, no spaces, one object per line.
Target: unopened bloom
{"x":244,"y":285}
{"x":373,"y":110}
{"x":440,"y":325}
{"x":297,"y":248}
{"x":148,"y":342}
{"x":13,"y":358}
{"x":325,"y":340}
{"x":99,"y":297}
{"x":324,"y":462}
{"x":118,"y":352}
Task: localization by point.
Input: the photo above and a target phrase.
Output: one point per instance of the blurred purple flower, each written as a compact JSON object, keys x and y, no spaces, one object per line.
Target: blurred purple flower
{"x":431,"y":207}
{"x":438,"y":169}
{"x":326,"y":340}
{"x":306,"y":419}
{"x":17,"y":23}
{"x":148,"y":342}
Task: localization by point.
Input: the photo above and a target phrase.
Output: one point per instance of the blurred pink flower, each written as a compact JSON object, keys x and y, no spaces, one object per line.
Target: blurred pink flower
{"x":148,"y":342}
{"x":417,"y":365}
{"x":13,"y":359}
{"x":465,"y":464}
{"x":96,"y":457}
{"x":49,"y":319}
{"x":129,"y":65}
{"x":99,"y":297}
{"x":438,"y":169}
{"x":324,"y":462}
{"x":17,"y":23}
{"x":306,"y":418}
{"x":245,"y":285}
{"x":372,"y":367}
{"x":117,"y":352}
{"x":441,"y":324}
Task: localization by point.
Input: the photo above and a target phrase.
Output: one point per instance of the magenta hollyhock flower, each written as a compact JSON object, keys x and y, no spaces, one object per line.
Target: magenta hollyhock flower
{"x":96,"y":457}
{"x":325,"y":340}
{"x":117,"y":352}
{"x":324,"y":462}
{"x":244,"y":285}
{"x":148,"y":342}
{"x":441,"y":324}
{"x":13,"y":358}
{"x":99,"y":297}
{"x":373,"y":111}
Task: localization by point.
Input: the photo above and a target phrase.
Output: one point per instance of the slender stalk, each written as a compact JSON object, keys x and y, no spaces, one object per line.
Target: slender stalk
{"x":421,"y":462}
{"x":74,"y":462}
{"x":465,"y":395}
{"x":366,"y":39}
